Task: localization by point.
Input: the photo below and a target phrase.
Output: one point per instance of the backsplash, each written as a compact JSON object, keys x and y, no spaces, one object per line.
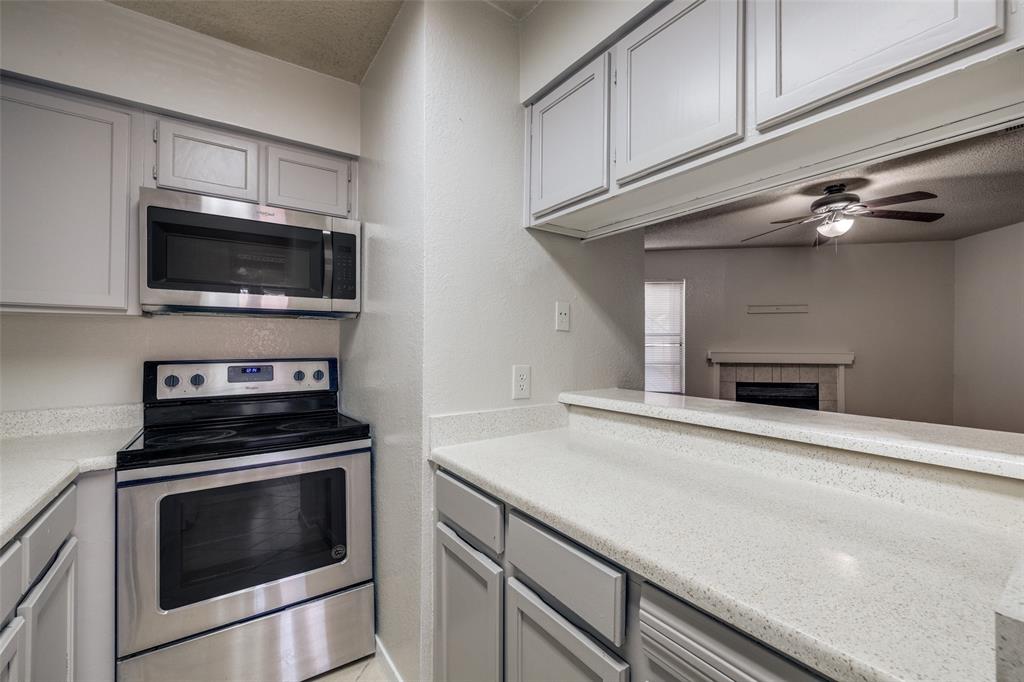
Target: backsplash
{"x":18,"y":423}
{"x":60,"y":361}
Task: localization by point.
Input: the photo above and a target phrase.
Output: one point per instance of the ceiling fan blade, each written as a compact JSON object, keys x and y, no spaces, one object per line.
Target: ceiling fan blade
{"x":789,"y":220}
{"x":899,"y":199}
{"x":916,"y":216}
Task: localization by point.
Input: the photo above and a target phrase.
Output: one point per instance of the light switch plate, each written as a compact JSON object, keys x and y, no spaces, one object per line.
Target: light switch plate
{"x":563,"y":316}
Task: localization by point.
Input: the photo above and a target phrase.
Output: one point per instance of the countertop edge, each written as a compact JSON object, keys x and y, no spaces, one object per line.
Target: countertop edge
{"x":950,"y":456}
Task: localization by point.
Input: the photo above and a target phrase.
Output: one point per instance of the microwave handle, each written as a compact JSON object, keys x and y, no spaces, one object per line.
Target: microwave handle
{"x":328,"y":264}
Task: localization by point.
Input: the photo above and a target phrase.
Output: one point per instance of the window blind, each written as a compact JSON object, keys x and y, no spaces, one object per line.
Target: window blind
{"x":664,"y":337}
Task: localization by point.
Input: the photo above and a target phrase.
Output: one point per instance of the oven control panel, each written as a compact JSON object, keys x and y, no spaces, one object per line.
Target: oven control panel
{"x":178,"y":380}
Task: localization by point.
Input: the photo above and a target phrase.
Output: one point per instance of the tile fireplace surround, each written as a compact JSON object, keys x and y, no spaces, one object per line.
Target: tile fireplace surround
{"x":825,"y":369}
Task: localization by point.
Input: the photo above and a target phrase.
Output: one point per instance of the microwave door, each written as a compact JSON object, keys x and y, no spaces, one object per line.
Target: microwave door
{"x":203,"y":261}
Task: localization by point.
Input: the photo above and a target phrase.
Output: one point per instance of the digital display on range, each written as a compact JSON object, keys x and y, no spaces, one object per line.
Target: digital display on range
{"x":238,"y":373}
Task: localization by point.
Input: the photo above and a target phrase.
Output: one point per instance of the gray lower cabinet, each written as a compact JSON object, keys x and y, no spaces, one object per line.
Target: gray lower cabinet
{"x":198,"y":159}
{"x":467,"y":611}
{"x":49,"y":613}
{"x":64,"y":200}
{"x":12,"y":651}
{"x":308,"y":181}
{"x":541,"y":645}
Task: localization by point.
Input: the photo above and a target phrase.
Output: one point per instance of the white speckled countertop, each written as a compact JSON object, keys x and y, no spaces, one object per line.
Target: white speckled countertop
{"x":989,"y":452}
{"x":858,"y":587}
{"x":34,"y":469}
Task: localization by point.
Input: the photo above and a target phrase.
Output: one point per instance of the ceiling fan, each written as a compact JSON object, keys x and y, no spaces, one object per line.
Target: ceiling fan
{"x":837,"y":209}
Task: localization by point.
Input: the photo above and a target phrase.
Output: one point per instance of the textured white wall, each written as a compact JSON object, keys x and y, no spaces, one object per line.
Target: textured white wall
{"x":491,"y":286}
{"x":557,"y":33}
{"x":383,"y":349}
{"x":988,"y":373}
{"x":76,"y":360}
{"x":891,"y":304}
{"x":109,"y":50}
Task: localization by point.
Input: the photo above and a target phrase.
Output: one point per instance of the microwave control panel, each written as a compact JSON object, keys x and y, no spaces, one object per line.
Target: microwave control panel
{"x":345,"y":269}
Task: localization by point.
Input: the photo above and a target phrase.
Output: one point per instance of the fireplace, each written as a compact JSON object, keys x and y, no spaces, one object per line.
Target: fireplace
{"x":783,"y":394}
{"x":810,"y":380}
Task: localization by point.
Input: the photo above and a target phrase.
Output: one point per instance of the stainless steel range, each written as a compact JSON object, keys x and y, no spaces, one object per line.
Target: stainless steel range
{"x":243,"y":525}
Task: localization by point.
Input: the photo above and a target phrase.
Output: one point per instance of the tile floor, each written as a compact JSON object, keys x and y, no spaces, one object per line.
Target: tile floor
{"x":364,"y":670}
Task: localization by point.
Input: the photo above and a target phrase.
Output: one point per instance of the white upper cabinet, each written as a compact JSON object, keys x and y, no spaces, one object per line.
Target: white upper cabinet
{"x":569,"y":140}
{"x":308,"y":181}
{"x":201,"y":160}
{"x":678,"y":86}
{"x":64,"y":196}
{"x":809,"y":53}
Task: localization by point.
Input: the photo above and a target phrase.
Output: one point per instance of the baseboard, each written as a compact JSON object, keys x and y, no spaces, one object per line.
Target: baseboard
{"x":389,"y":666}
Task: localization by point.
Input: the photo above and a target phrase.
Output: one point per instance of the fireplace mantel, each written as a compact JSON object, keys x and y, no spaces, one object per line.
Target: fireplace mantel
{"x":718,"y":357}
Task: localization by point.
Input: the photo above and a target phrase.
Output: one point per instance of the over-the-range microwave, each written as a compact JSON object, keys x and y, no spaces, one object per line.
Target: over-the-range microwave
{"x":207,"y":255}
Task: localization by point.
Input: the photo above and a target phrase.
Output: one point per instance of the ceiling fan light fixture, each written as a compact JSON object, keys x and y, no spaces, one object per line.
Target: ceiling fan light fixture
{"x":835,"y":226}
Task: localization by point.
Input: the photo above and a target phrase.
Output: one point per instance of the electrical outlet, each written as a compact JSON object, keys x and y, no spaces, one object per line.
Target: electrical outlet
{"x":562,"y":316}
{"x":520,"y":382}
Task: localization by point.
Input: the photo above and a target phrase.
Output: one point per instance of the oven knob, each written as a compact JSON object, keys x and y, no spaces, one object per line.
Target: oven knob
{"x":197,"y":380}
{"x":171,"y":380}
{"x":299,"y":375}
{"x":318,"y":375}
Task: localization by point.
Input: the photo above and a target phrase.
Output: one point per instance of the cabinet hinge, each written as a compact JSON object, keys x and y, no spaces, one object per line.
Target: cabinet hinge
{"x":156,"y":134}
{"x":615,"y":76}
{"x":154,"y":171}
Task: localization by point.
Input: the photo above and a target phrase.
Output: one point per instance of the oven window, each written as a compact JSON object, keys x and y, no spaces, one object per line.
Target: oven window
{"x":202,"y":252}
{"x":220,"y":540}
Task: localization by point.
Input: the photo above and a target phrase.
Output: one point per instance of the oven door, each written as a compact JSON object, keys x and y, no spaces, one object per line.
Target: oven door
{"x":202,"y":254}
{"x":205,"y":545}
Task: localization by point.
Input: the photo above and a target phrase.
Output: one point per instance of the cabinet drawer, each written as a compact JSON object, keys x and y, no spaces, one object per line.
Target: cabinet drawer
{"x":541,"y":645}
{"x":469,"y":510}
{"x":681,"y":643}
{"x":12,"y":580}
{"x":47,"y":533}
{"x":593,"y":590}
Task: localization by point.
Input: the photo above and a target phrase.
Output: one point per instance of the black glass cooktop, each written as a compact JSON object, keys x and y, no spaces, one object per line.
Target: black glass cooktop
{"x":198,"y":441}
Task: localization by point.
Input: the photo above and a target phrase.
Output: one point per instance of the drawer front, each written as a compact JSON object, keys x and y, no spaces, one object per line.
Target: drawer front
{"x":680,"y":642}
{"x":469,"y":510}
{"x":12,"y":580}
{"x":592,"y":589}
{"x":542,"y":646}
{"x":47,"y":533}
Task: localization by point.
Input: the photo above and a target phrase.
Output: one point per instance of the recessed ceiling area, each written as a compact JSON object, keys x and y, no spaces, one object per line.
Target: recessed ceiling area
{"x":517,"y":9}
{"x":978,"y":183}
{"x":338,"y":38}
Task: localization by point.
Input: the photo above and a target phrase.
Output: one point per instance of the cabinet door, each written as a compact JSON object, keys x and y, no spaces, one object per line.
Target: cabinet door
{"x":569,"y":140}
{"x":49,"y":613}
{"x":200,"y":160}
{"x":678,"y":86}
{"x":467,"y":636}
{"x":12,"y":652}
{"x":63,"y":201}
{"x":542,"y":645}
{"x":808,"y":53}
{"x":309,"y":182}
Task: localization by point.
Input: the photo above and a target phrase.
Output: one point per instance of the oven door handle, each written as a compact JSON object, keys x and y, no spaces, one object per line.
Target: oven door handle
{"x":328,"y":264}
